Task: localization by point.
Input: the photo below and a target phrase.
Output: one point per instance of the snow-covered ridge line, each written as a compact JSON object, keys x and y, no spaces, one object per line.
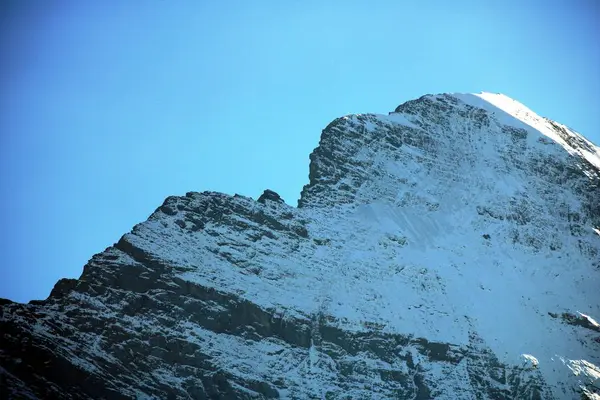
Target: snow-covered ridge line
{"x":585,"y":149}
{"x":441,"y":251}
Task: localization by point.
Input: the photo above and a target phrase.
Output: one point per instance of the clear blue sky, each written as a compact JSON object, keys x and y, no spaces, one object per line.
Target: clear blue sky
{"x":108,"y":107}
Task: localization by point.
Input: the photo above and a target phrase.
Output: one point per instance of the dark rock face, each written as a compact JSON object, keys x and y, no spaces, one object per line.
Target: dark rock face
{"x":269,"y":195}
{"x":440,"y":252}
{"x":54,"y":367}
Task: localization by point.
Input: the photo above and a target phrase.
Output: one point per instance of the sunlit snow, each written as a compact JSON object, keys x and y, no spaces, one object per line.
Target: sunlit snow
{"x":455,"y":229}
{"x":417,"y":255}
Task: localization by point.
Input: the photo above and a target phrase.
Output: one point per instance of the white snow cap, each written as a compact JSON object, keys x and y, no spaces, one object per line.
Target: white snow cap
{"x":499,"y":101}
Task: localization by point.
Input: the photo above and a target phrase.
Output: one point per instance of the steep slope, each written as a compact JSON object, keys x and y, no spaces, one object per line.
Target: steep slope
{"x":448,"y":250}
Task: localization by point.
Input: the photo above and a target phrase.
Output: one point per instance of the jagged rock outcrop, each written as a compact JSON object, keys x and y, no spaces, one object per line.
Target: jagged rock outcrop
{"x":448,"y":250}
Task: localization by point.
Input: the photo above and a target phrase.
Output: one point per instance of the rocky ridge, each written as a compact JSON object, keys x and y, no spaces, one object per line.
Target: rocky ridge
{"x":448,"y":250}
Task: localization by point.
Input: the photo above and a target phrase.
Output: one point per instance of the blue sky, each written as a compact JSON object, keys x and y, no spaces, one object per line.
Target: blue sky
{"x":108,"y":107}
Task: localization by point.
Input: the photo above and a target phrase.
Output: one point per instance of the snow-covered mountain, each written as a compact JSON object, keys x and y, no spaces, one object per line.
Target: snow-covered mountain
{"x":448,"y":250}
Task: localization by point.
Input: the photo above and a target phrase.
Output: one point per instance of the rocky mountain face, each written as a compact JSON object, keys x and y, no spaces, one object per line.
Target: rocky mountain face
{"x":448,"y":250}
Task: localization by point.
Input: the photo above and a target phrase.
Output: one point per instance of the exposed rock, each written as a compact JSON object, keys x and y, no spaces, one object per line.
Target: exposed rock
{"x":378,"y":285}
{"x":269,"y":195}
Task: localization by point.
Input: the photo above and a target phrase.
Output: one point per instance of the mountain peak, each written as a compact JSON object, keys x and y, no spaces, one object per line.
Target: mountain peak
{"x":363,"y":148}
{"x":447,"y":250}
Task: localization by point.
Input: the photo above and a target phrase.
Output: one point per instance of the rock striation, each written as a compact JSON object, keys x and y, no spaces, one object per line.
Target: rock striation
{"x":447,"y":250}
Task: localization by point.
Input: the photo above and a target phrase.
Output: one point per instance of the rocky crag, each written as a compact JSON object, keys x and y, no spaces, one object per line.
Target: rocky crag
{"x":448,"y":250}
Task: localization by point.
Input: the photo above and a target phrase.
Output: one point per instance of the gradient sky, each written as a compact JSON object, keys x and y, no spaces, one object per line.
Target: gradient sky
{"x":108,"y":107}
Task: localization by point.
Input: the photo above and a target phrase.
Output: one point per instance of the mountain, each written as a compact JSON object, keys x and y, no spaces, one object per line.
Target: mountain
{"x":448,"y":250}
